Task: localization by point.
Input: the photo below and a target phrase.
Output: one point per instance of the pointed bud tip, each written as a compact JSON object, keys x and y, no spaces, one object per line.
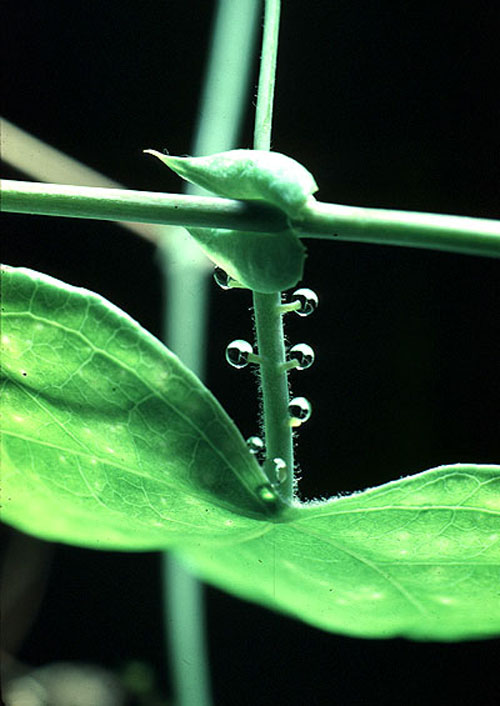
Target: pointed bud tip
{"x":155,"y":153}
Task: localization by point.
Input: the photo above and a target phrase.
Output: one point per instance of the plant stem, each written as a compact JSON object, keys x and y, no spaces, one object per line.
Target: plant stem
{"x":185,"y":285}
{"x":433,"y":231}
{"x":268,"y":318}
{"x":267,"y":74}
{"x":137,"y":206}
{"x":185,"y":282}
{"x":184,"y":620}
{"x":274,"y":385}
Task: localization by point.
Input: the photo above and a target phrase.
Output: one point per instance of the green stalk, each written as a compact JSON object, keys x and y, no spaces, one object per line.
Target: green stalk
{"x":268,"y":318}
{"x":274,"y":387}
{"x":433,"y":231}
{"x":267,"y":76}
{"x":126,"y":205}
{"x":185,"y":282}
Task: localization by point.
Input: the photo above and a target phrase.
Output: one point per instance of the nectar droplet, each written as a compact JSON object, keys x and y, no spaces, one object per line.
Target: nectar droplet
{"x":299,"y":410}
{"x":276,"y":469}
{"x":238,"y":352}
{"x":255,"y":444}
{"x":267,"y":493}
{"x":222,"y":278}
{"x":303,"y":354}
{"x":308,"y":301}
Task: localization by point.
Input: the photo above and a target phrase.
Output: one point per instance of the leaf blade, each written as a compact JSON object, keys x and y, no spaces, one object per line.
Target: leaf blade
{"x":95,"y":407}
{"x":418,"y":557}
{"x":351,"y":566}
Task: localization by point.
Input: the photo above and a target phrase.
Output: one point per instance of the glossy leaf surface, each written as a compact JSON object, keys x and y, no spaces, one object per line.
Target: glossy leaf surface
{"x":107,"y":439}
{"x":263,"y":262}
{"x":418,"y":557}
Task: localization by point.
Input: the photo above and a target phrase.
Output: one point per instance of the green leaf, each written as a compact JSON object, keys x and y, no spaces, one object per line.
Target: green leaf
{"x":418,"y":558}
{"x":108,"y":441}
{"x":248,"y":174}
{"x":263,"y":262}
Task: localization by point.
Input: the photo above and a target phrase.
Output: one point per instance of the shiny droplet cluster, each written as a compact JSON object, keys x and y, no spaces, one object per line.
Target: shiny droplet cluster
{"x":255,"y":445}
{"x":267,"y":493}
{"x":303,"y":354}
{"x":225,"y":281}
{"x":307,"y":299}
{"x":238,"y":353}
{"x":299,"y":410}
{"x":222,"y":278}
{"x":277,"y":469}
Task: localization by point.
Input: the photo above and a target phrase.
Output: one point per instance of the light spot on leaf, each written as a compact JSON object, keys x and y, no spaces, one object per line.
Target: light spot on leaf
{"x":445,"y":600}
{"x":403,"y":536}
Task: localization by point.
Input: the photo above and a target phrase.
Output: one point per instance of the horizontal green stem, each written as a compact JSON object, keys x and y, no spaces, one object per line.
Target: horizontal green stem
{"x":435,"y":231}
{"x":474,"y":236}
{"x":137,"y":206}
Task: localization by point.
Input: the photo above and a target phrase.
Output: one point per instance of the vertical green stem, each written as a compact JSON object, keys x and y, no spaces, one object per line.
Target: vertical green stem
{"x":267,"y":76}
{"x":268,"y":319}
{"x":185,"y":273}
{"x":274,"y":385}
{"x":183,"y":599}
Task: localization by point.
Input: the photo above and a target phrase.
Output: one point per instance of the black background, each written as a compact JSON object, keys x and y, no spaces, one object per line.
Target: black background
{"x":389,"y":104}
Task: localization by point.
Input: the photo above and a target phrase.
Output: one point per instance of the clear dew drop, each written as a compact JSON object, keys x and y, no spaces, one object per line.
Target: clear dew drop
{"x":308,"y":301}
{"x":299,"y":410}
{"x":303,"y":354}
{"x":276,"y":469}
{"x":237,"y":353}
{"x":267,"y":493}
{"x":255,"y":444}
{"x":222,"y":278}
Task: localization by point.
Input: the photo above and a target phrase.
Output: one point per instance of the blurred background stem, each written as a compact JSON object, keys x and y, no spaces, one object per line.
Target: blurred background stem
{"x":223,"y":102}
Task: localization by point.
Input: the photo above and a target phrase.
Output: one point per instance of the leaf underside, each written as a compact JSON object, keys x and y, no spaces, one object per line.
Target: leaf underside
{"x":257,"y":175}
{"x":109,"y":442}
{"x":262,"y":262}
